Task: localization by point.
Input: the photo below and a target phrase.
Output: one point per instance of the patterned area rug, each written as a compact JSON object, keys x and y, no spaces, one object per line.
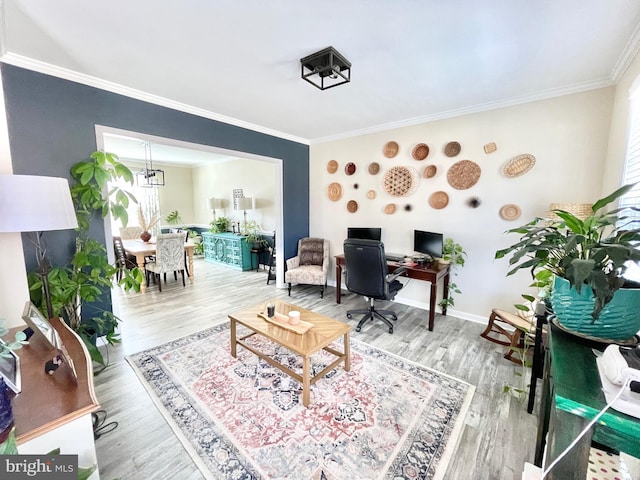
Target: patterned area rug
{"x":387,"y":418}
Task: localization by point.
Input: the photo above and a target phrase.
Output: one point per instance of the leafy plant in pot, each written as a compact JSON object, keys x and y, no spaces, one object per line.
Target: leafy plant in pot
{"x":453,"y":254}
{"x":7,"y":437}
{"x":219,"y":225}
{"x":588,"y":258}
{"x":254,"y":236}
{"x":78,"y":289}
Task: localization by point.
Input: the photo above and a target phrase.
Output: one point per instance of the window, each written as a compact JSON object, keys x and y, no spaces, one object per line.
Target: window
{"x":147,"y":199}
{"x":631,"y":173}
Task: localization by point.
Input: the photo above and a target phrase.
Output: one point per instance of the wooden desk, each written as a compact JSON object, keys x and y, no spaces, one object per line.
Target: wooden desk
{"x":431,"y":275}
{"x":141,"y":249}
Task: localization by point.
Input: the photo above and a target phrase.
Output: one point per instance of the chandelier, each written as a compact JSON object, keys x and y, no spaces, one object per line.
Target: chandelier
{"x":149,"y":176}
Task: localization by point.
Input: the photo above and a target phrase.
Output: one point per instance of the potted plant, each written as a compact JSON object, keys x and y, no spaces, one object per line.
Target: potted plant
{"x":588,"y":258}
{"x":254,"y":235}
{"x":220,"y":225}
{"x":7,"y":438}
{"x":454,"y":255}
{"x":77,"y":289}
{"x":174,"y":219}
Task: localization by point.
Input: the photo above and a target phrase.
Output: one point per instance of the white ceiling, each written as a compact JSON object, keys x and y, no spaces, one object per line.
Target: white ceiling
{"x":131,"y":148}
{"x":413,"y":60}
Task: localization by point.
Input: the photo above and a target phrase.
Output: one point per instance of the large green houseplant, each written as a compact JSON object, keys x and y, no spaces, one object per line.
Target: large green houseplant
{"x":588,"y":258}
{"x":78,"y":288}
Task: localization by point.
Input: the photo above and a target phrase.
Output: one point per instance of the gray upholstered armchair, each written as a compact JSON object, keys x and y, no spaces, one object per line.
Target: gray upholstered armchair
{"x":311,"y":264}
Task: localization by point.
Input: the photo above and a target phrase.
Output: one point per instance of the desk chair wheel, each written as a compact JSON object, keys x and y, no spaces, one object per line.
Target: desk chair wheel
{"x":351,"y":316}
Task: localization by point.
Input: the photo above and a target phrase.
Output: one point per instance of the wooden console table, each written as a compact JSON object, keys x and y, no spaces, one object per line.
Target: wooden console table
{"x":53,"y":411}
{"x":227,"y":249}
{"x":431,"y":275}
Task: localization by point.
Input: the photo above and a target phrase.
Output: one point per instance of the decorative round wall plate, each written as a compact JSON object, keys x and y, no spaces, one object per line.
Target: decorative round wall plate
{"x":374,"y":168}
{"x":439,"y":200}
{"x":490,"y":147}
{"x":420,"y":151}
{"x":463,"y":174}
{"x":390,"y":149}
{"x":332,"y":166}
{"x":350,"y":168}
{"x":352,"y":206}
{"x":401,"y":181}
{"x":390,"y":208}
{"x":452,"y":149}
{"x":335,"y":191}
{"x":371,"y":194}
{"x":430,"y":171}
{"x":510,"y":212}
{"x":519,"y":165}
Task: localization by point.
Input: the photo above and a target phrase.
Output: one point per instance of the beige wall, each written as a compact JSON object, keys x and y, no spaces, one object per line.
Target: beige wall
{"x":177,"y":194}
{"x":188,"y":189}
{"x":568,"y":137}
{"x":256,"y":178}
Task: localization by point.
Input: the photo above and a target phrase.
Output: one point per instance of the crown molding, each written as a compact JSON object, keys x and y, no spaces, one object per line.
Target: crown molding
{"x":73,"y":76}
{"x":471,"y":109}
{"x":3,"y":29}
{"x":626,"y":57}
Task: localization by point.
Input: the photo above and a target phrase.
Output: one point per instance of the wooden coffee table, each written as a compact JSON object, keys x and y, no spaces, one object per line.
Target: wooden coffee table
{"x":325,"y":330}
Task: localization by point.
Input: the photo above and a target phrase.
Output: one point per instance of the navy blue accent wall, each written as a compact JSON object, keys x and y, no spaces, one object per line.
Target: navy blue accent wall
{"x":52,"y":126}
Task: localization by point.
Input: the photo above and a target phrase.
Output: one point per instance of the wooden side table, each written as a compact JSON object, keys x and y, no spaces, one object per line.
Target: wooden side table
{"x":53,"y":411}
{"x":572,"y":397}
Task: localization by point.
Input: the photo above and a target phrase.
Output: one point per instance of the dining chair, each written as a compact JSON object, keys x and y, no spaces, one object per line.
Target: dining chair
{"x":169,"y":257}
{"x":130,"y":233}
{"x":186,"y":239}
{"x":124,"y":261}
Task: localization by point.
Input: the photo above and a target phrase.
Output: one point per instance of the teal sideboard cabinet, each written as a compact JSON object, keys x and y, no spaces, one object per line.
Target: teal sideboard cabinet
{"x":227,"y":249}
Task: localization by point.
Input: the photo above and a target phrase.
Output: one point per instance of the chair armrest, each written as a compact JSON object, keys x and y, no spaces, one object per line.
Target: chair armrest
{"x":293,"y":262}
{"x":396,"y":273}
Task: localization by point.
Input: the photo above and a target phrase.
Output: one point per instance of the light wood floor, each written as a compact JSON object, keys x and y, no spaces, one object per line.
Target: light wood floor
{"x":498,"y":437}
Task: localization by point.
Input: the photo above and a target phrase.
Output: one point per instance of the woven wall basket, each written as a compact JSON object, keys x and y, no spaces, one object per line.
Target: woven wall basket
{"x":580,"y":210}
{"x":463,"y":174}
{"x":519,"y":165}
{"x":401,"y":181}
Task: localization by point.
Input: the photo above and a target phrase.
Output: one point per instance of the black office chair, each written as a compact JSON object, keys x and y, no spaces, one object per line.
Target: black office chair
{"x":368,"y":275}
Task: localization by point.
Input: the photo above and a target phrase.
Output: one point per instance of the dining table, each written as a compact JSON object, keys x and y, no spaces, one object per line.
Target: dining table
{"x":141,"y":250}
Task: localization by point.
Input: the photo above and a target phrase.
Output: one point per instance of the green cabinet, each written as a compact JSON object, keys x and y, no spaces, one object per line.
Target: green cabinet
{"x":227,"y":249}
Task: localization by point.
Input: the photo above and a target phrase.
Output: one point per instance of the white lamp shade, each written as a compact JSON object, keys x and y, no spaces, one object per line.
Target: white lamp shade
{"x":245,"y":203}
{"x":215,"y":203}
{"x":30,"y":203}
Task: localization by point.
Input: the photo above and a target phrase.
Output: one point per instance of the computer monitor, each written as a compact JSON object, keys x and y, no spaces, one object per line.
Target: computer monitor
{"x":428,"y":242}
{"x":365,"y":233}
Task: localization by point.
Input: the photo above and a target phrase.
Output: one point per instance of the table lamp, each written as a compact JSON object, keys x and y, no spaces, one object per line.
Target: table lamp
{"x":31,"y":203}
{"x":214,"y":203}
{"x":244,"y":203}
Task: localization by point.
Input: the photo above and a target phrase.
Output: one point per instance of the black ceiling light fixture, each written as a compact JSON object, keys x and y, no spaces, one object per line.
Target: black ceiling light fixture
{"x":149,"y":176}
{"x":326,"y":69}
